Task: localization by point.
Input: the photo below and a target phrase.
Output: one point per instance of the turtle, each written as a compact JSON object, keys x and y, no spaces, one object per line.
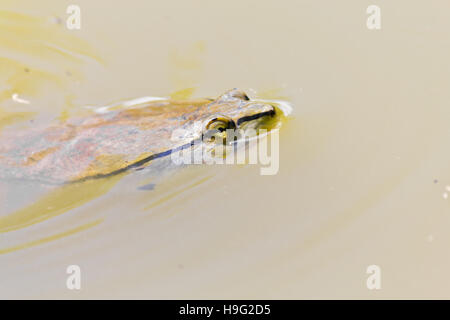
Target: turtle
{"x":118,"y":140}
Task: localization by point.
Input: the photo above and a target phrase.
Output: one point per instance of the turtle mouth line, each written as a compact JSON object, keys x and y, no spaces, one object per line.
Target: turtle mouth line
{"x":255,"y":116}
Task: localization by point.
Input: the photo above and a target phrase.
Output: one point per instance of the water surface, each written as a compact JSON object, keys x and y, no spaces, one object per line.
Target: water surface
{"x":363,"y":160}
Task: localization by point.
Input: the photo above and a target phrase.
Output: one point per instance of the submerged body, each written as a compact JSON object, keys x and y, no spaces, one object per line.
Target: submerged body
{"x":115,"y":141}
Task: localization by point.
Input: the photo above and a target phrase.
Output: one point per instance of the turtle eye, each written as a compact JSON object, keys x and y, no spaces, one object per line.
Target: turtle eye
{"x":220,"y":124}
{"x":216,"y":129}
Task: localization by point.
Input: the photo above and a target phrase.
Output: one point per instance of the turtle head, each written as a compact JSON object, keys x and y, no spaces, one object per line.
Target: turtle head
{"x":235,"y":111}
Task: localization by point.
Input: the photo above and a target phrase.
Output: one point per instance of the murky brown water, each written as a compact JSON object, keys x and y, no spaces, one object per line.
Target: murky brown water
{"x":363,"y":158}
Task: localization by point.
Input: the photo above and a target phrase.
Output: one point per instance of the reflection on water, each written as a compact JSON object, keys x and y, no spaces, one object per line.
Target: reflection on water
{"x":55,"y":202}
{"x":50,"y":238}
